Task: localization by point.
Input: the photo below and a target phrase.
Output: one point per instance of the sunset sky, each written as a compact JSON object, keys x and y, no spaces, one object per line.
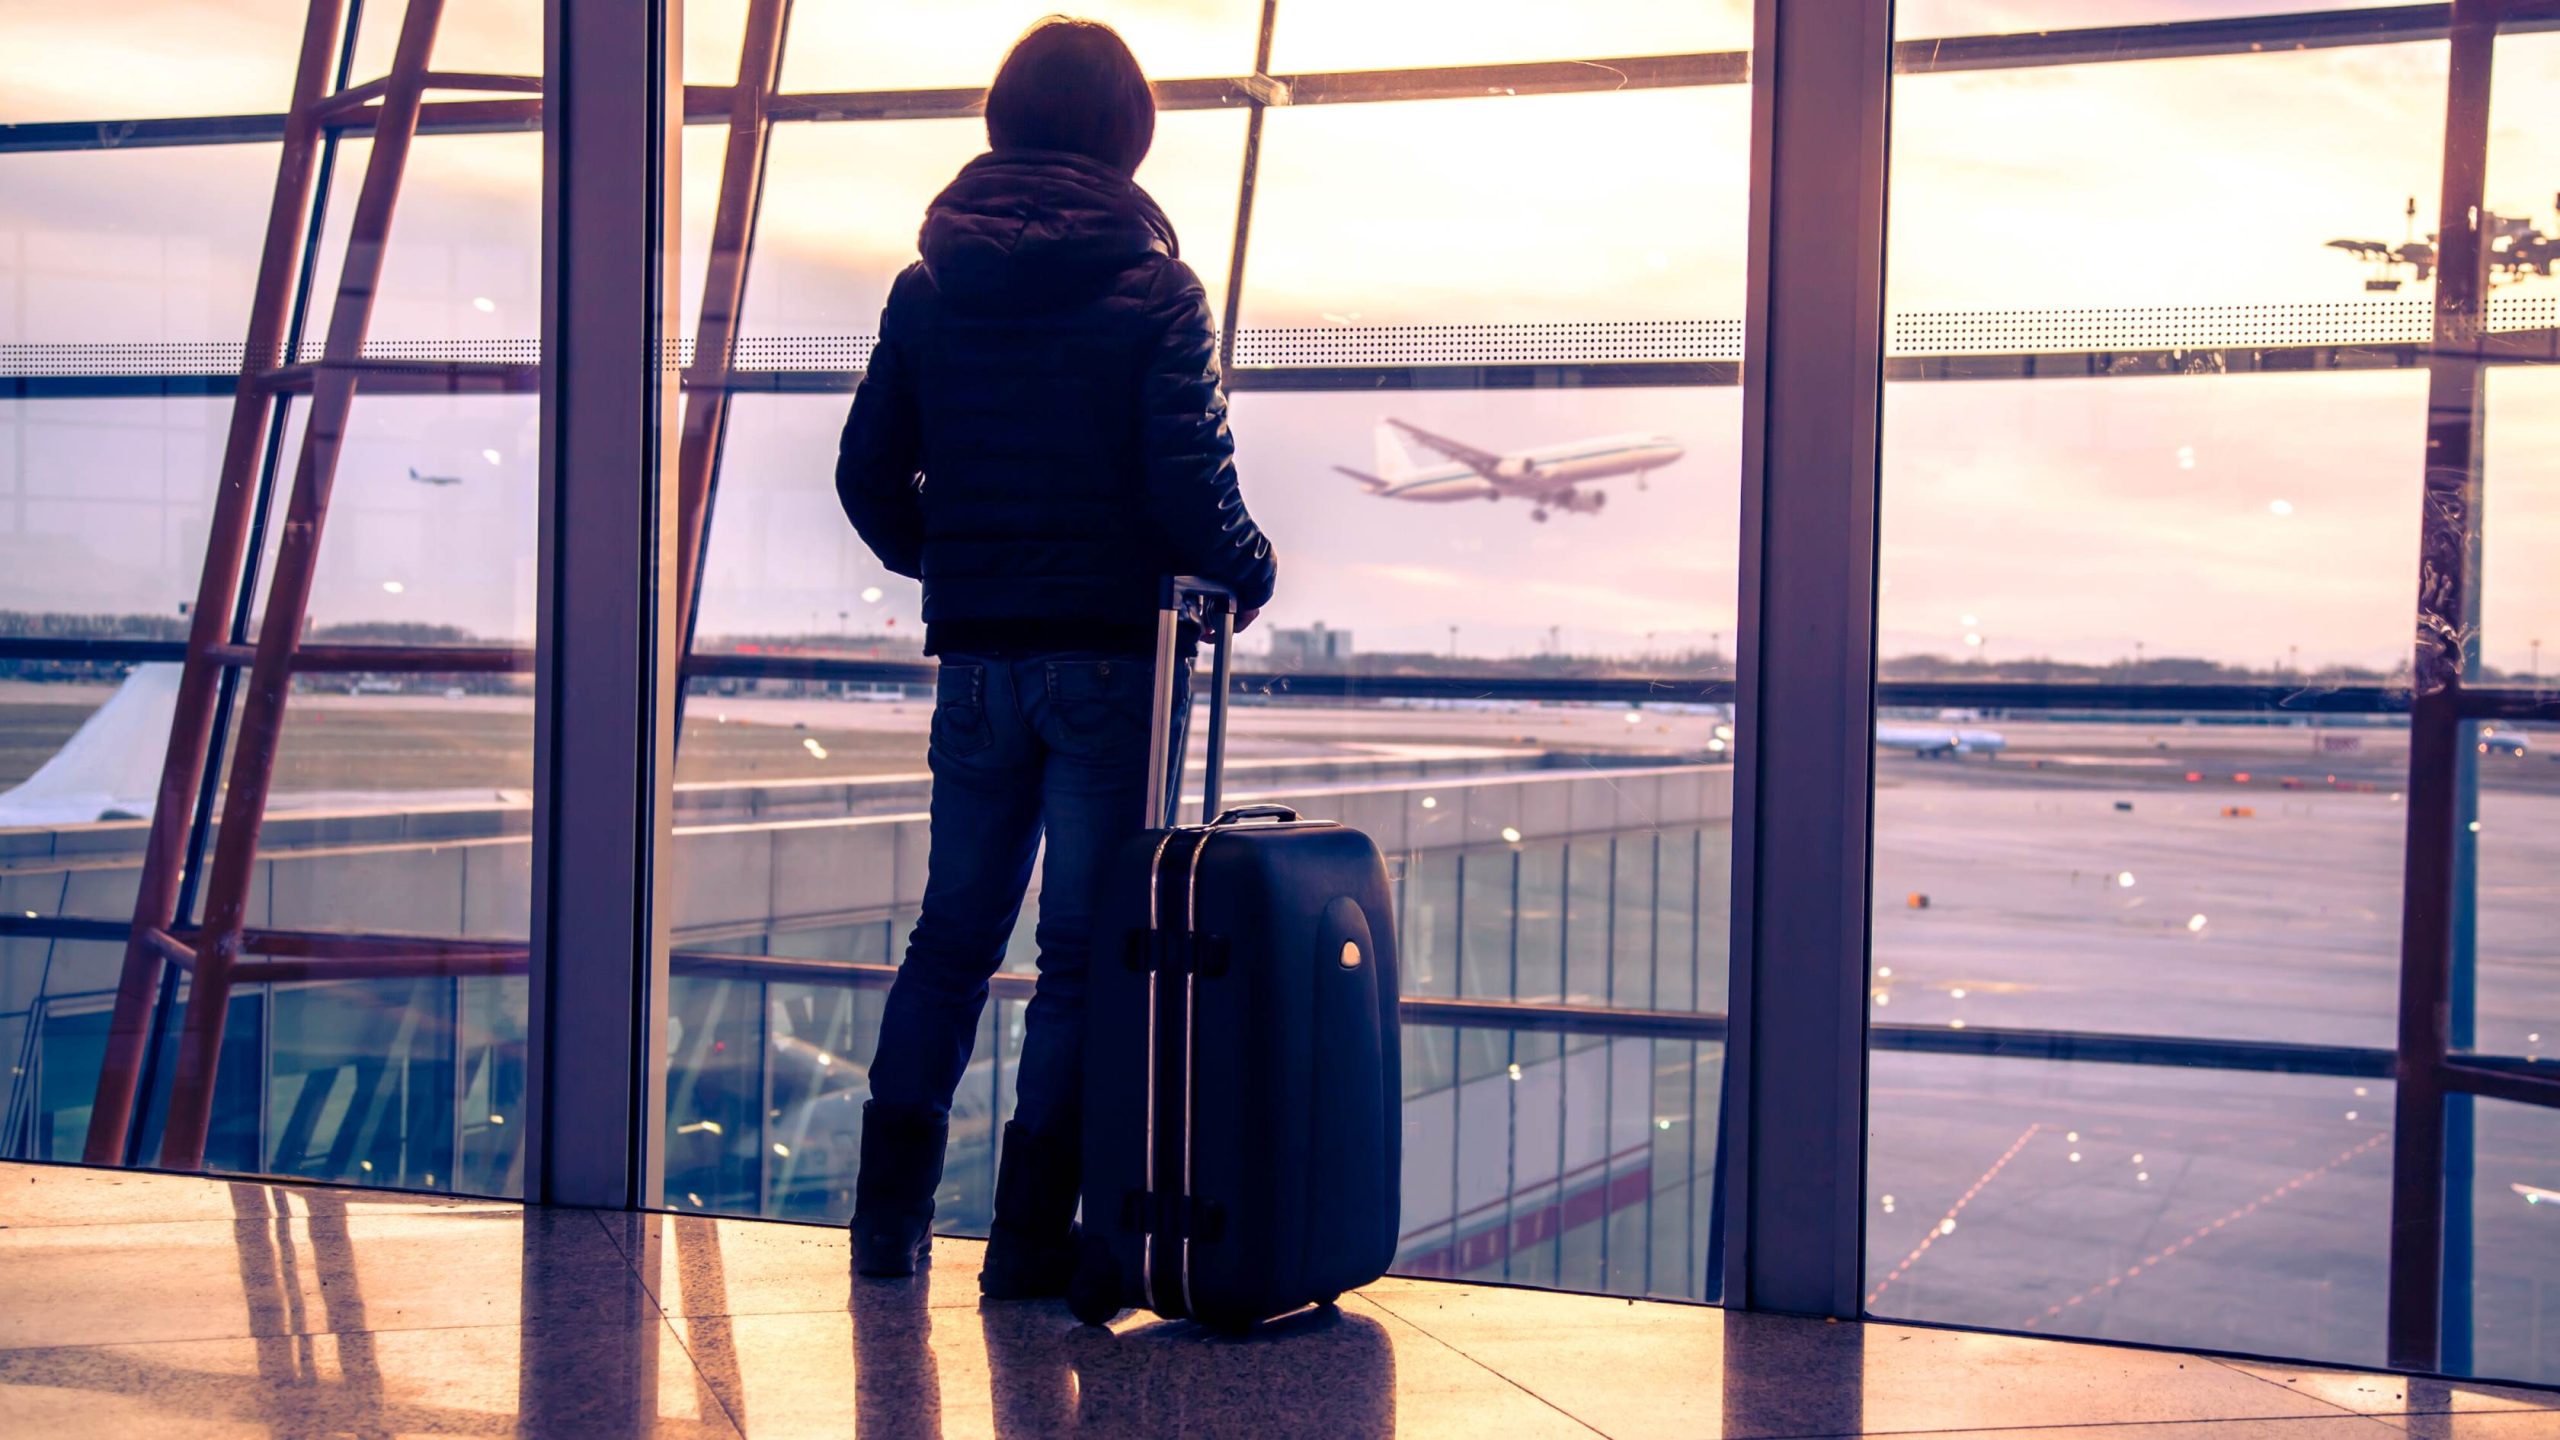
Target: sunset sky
{"x":2232,"y":517}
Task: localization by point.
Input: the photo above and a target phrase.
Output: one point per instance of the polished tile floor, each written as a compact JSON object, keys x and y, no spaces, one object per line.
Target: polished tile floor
{"x":145,"y":1305}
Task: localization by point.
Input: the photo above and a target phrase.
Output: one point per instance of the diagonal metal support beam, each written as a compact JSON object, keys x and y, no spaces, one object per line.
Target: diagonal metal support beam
{"x":182,"y":769}
{"x":289,"y":596}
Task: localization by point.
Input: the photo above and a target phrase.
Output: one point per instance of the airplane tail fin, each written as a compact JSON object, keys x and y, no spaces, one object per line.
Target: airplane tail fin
{"x":1393,"y":462}
{"x":1368,"y":482}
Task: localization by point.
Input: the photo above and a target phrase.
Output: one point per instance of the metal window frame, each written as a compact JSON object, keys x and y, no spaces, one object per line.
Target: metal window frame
{"x":605,"y":673}
{"x":1813,"y":389}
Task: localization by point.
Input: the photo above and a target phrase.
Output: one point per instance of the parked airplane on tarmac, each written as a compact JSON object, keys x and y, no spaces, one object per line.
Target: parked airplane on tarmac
{"x":1940,"y":742}
{"x":1551,"y":478}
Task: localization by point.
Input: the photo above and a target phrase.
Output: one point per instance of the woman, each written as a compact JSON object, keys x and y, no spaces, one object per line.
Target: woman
{"x":1039,"y":437}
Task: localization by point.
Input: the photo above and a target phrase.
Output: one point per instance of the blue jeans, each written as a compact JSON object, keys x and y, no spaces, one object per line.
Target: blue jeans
{"x":1020,"y":745}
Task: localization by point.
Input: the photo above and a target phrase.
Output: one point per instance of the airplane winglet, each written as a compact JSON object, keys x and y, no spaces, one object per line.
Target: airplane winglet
{"x":1368,"y":482}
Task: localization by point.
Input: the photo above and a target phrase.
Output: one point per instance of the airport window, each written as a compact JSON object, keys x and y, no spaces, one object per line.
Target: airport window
{"x":376,"y":869}
{"x":1504,"y":875}
{"x":2170,"y":823}
{"x":2199,"y":490}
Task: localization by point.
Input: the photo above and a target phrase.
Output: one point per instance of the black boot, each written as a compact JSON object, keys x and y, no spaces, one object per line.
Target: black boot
{"x":893,"y":1191}
{"x":1031,"y":1247}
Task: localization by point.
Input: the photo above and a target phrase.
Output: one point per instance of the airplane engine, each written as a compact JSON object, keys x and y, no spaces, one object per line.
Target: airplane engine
{"x":1514,"y":468}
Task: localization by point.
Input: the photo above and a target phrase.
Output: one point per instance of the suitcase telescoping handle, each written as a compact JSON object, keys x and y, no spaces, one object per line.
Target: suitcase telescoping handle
{"x":1243,"y":813}
{"x":1212,"y":606}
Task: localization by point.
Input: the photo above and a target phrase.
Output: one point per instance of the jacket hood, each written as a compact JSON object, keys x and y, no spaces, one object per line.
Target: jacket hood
{"x":1037,"y":230}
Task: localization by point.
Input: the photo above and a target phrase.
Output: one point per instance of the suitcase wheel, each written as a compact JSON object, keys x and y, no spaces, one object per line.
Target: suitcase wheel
{"x":1327,"y":1302}
{"x":1093,"y":1292}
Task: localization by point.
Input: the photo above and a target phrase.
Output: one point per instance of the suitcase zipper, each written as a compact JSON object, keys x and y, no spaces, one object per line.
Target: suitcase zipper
{"x":1155,"y":921}
{"x":1190,"y":1089}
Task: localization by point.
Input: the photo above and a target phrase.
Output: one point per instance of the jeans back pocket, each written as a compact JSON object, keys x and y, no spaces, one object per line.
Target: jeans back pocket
{"x":960,"y":710}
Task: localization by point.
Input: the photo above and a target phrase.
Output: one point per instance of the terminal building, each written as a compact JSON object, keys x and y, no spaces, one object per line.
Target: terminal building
{"x":463,"y":784}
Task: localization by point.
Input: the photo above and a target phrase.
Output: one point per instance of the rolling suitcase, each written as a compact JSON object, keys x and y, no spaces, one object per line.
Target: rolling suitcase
{"x":1243,"y":1090}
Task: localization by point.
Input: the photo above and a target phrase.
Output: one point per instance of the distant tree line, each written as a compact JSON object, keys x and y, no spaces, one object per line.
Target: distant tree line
{"x":1557,"y":665}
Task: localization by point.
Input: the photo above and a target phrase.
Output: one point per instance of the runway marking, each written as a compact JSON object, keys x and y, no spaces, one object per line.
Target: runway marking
{"x":2201,"y":1231}
{"x":1946,"y":1222}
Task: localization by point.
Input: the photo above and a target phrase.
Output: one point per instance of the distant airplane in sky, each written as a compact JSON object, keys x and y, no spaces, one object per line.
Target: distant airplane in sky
{"x":433,"y":479}
{"x":1550,"y":478}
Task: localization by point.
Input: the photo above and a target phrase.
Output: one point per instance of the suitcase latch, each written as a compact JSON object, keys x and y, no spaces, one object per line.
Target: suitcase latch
{"x":1178,"y":952}
{"x":1173,"y":1217}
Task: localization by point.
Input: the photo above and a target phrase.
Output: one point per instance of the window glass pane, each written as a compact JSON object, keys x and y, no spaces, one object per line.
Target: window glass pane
{"x":55,"y":1027}
{"x":145,"y":59}
{"x":151,"y":246}
{"x":2519,"y":404}
{"x":504,"y":37}
{"x":1525,"y":209}
{"x":1578,"y":1160}
{"x":463,"y":264}
{"x":106,"y":503}
{"x":2146,"y":429}
{"x":1343,"y":35}
{"x":920,"y":46}
{"x":400,"y":797}
{"x":2162,"y":1205}
{"x":1634,"y":573}
{"x":2499,"y":1251}
{"x":2215,"y":182}
{"x":2506,"y":975}
{"x":473,"y":37}
{"x":843,"y":203}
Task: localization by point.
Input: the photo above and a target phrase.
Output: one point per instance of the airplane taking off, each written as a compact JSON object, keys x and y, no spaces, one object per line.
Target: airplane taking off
{"x":1940,"y":742}
{"x":433,"y":479}
{"x":1548,"y":479}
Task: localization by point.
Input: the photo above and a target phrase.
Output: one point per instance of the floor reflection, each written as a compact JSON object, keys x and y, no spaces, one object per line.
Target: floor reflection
{"x":256,"y":1309}
{"x":1319,"y":1372}
{"x":897,"y":1389}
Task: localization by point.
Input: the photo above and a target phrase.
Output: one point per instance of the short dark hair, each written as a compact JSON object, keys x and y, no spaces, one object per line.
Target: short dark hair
{"x":1072,"y":85}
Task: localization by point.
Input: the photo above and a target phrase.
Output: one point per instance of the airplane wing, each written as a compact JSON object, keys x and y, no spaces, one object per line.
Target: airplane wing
{"x":1483,"y":462}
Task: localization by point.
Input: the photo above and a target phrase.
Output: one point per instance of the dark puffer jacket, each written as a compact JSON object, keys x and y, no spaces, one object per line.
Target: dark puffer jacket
{"x":1041,"y":432}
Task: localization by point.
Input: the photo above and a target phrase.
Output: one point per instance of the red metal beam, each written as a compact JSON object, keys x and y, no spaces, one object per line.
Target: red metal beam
{"x":733,"y":224}
{"x":170,"y":948}
{"x":289,"y":596}
{"x":191,"y":723}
